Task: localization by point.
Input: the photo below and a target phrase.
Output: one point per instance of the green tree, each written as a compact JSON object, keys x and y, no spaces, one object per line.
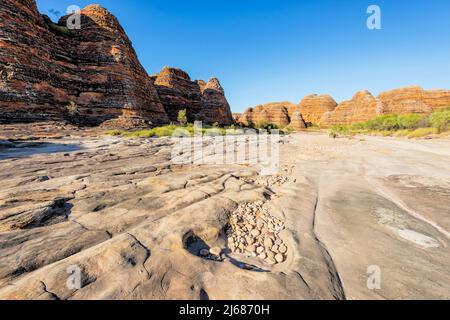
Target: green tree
{"x":182,"y":117}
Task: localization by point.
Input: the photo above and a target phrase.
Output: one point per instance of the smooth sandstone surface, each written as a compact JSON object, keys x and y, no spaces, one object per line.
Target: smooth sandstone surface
{"x":134,"y":223}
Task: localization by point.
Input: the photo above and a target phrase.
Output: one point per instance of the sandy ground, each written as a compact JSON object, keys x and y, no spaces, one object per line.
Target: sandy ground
{"x":363,"y":218}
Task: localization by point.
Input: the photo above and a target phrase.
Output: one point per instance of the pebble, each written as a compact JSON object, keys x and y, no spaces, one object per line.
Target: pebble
{"x":204,"y":252}
{"x":254,"y":231}
{"x":215,"y":251}
{"x":268,"y":243}
{"x":279,"y":258}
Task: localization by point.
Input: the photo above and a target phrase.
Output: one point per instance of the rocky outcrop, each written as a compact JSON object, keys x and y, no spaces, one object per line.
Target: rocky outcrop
{"x":414,"y":99}
{"x":204,"y":101}
{"x":91,"y":75}
{"x":362,"y":107}
{"x":236,"y":116}
{"x":278,"y":113}
{"x":297,"y":122}
{"x":323,"y":109}
{"x":45,"y":67}
{"x":313,"y":107}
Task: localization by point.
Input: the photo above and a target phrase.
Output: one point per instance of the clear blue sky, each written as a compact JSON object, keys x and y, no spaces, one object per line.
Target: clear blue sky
{"x":276,"y":50}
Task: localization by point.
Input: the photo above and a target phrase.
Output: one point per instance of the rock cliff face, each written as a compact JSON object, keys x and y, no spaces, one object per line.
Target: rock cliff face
{"x":314,"y":106}
{"x":47,"y":66}
{"x":203,"y":101}
{"x":49,"y":72}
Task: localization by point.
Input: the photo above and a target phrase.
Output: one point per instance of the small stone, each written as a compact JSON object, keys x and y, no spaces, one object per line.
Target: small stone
{"x":241,"y":246}
{"x":268,"y":243}
{"x":279,"y":258}
{"x":283,"y":249}
{"x":275,"y":248}
{"x":270,"y":254}
{"x":251,"y":249}
{"x":204,"y":252}
{"x":260,"y":250}
{"x":270,"y":261}
{"x":250,"y":240}
{"x":255,"y":233}
{"x":215,"y":251}
{"x":262,"y":255}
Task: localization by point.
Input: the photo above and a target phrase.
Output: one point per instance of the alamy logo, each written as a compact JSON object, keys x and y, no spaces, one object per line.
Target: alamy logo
{"x":374,"y":278}
{"x":74,"y":279}
{"x":374,"y":20}
{"x":244,"y":147}
{"x":74,"y":19}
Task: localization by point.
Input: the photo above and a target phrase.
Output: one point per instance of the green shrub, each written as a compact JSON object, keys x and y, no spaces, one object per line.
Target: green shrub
{"x":358,"y":126}
{"x":182,"y":117}
{"x":115,"y":132}
{"x":409,"y":121}
{"x":386,"y":122}
{"x":422,"y":132}
{"x":72,"y":108}
{"x":267,"y":126}
{"x":340,"y":130}
{"x":440,"y":120}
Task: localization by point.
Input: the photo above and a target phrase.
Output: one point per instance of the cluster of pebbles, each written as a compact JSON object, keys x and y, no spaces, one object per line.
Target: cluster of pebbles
{"x":255,"y":233}
{"x":276,"y":180}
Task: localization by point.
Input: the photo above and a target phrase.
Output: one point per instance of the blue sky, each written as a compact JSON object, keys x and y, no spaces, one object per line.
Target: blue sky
{"x":277,"y":50}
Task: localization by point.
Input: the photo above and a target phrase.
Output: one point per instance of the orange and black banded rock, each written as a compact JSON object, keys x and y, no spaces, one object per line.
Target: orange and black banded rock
{"x":91,"y":74}
{"x":203,"y":101}
{"x":45,"y":67}
{"x":314,"y":106}
{"x":278,"y":113}
{"x":362,"y":107}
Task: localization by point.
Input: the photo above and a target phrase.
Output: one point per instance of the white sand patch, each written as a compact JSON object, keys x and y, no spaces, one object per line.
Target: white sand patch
{"x":418,"y":238}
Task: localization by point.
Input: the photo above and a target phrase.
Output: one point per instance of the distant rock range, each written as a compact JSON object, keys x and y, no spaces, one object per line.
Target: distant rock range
{"x":325,"y":111}
{"x":44,"y":67}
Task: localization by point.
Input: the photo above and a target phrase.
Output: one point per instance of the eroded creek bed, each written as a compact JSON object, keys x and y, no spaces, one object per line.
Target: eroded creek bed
{"x":138,"y":227}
